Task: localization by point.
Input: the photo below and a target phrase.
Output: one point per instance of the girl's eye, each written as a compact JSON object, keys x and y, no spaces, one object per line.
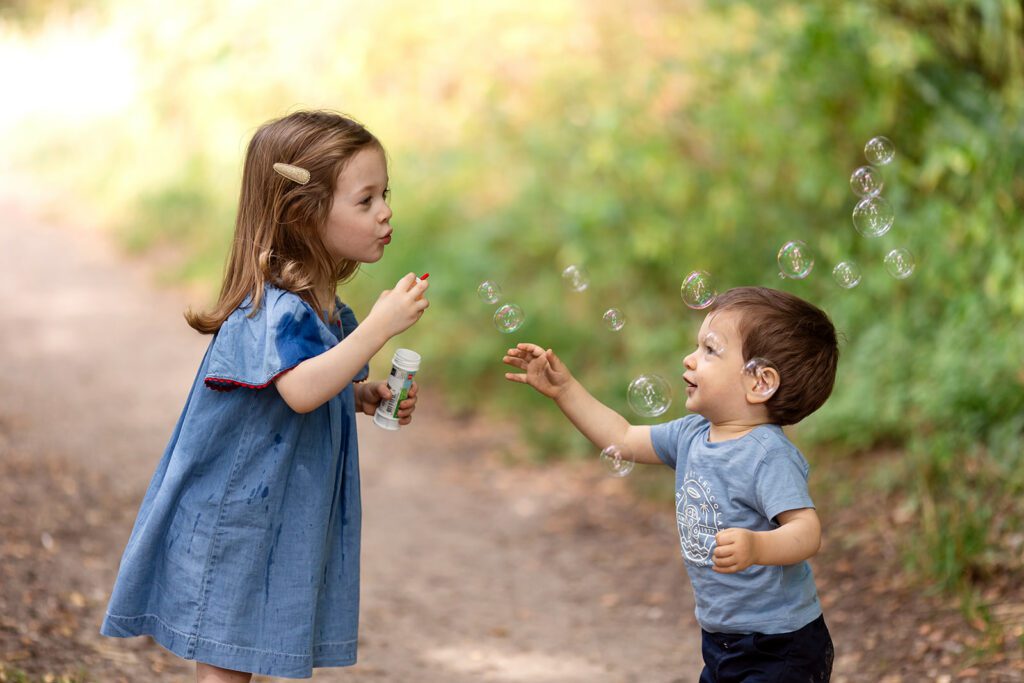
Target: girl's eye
{"x":387,"y":193}
{"x":367,"y":201}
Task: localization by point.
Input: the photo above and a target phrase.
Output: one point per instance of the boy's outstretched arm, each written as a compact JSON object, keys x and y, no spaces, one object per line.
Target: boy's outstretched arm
{"x":603,"y":426}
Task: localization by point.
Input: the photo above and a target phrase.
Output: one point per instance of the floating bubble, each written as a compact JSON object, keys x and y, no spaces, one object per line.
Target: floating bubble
{"x":846,"y":274}
{"x":697,"y":291}
{"x":576,"y":277}
{"x":714,"y":343}
{"x":616,"y":460}
{"x":795,"y":260}
{"x":489,"y":292}
{"x":900,"y":263}
{"x":614,"y":319}
{"x":873,"y":216}
{"x":509,"y":318}
{"x":649,"y":395}
{"x":879,"y":150}
{"x":766,"y":383}
{"x":866,"y":181}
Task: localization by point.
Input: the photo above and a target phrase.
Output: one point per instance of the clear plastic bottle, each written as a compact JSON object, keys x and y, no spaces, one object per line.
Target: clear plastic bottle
{"x":404,"y":365}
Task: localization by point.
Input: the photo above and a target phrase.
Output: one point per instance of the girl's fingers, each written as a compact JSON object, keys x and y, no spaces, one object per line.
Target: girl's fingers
{"x":515,"y":377}
{"x":406,"y":282}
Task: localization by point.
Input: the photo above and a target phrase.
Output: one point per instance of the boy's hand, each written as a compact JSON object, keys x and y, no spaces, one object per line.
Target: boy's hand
{"x":735,"y":550}
{"x":544,"y":371}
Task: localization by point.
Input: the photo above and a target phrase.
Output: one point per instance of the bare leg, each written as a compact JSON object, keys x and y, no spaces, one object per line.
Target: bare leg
{"x":207,"y":673}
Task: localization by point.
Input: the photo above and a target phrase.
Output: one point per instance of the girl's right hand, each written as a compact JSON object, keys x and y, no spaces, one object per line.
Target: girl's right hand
{"x":544,"y":371}
{"x":398,"y":309}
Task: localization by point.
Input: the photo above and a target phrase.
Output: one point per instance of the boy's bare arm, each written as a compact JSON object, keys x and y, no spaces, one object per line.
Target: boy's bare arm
{"x":546,"y":373}
{"x":797,"y":538}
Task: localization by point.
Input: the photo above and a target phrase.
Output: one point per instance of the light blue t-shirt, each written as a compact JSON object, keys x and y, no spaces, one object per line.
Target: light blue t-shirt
{"x":742,"y":483}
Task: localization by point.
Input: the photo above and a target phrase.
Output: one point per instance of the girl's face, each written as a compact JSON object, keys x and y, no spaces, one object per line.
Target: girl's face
{"x":358,"y":227}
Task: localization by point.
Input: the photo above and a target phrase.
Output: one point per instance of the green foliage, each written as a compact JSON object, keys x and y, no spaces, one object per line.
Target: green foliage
{"x":644,"y":146}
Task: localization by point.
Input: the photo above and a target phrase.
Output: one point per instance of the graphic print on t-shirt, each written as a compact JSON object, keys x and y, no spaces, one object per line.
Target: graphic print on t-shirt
{"x":698,"y":520}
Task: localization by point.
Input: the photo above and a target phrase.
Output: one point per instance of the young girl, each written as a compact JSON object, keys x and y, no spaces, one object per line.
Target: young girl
{"x":245,"y":553}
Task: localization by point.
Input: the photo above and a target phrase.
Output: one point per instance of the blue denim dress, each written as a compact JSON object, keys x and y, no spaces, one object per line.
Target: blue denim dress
{"x":245,"y":552}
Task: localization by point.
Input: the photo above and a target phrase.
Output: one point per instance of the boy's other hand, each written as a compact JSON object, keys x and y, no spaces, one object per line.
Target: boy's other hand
{"x":735,"y":550}
{"x":544,"y":371}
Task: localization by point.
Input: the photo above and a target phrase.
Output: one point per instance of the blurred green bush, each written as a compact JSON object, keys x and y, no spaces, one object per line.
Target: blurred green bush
{"x":644,"y":146}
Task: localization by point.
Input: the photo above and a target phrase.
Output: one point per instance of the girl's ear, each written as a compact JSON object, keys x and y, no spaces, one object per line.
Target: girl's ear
{"x":761,"y":384}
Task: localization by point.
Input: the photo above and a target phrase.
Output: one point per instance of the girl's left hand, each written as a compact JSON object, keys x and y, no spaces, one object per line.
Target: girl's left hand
{"x":370,"y":394}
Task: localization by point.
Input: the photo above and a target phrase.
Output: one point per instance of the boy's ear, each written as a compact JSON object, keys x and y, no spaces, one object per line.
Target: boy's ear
{"x":762,"y":384}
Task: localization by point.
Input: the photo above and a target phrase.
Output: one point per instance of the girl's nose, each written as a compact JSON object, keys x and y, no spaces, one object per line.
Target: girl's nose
{"x":385,"y":215}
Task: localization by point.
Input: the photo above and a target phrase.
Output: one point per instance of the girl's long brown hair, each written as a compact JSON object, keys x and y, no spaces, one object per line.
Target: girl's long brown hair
{"x":279,"y":222}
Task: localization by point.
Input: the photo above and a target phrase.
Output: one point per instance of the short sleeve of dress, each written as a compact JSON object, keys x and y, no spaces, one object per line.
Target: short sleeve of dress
{"x":250,"y":351}
{"x":348,"y":326}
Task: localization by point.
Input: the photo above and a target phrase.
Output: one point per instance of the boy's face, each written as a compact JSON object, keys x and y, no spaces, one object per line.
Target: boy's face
{"x":715,"y":385}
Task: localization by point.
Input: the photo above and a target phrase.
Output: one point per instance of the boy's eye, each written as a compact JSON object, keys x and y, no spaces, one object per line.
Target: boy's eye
{"x":713,"y":345}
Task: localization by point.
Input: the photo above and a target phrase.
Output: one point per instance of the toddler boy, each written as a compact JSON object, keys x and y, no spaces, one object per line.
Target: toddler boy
{"x":747,"y":525}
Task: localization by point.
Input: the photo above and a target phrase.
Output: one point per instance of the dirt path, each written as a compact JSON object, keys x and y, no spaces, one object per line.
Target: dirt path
{"x":472,"y":571}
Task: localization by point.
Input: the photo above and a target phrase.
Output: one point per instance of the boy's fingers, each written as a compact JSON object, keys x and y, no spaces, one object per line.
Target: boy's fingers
{"x":530,"y":349}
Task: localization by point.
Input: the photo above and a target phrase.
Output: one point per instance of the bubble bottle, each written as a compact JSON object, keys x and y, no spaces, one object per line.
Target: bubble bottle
{"x":404,"y":365}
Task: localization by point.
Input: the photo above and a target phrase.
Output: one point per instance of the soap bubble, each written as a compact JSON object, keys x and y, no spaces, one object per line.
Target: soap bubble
{"x":618,"y":463}
{"x":714,"y":343}
{"x":900,"y":263}
{"x":866,"y":181}
{"x":873,"y":216}
{"x":576,"y":277}
{"x":880,"y":150}
{"x":795,"y":260}
{"x":755,"y":368}
{"x":846,"y":274}
{"x":509,"y":318}
{"x":614,"y":319}
{"x":697,"y":291}
{"x":489,"y":292}
{"x":649,"y":395}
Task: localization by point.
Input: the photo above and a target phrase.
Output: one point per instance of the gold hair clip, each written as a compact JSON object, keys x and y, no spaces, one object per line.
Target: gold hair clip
{"x":293,"y":173}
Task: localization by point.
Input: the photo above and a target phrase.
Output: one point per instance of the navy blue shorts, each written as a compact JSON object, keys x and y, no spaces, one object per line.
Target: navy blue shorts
{"x":802,"y":656}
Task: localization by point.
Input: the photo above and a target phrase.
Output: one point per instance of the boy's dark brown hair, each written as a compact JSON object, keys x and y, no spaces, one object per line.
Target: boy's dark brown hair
{"x":794,"y":335}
